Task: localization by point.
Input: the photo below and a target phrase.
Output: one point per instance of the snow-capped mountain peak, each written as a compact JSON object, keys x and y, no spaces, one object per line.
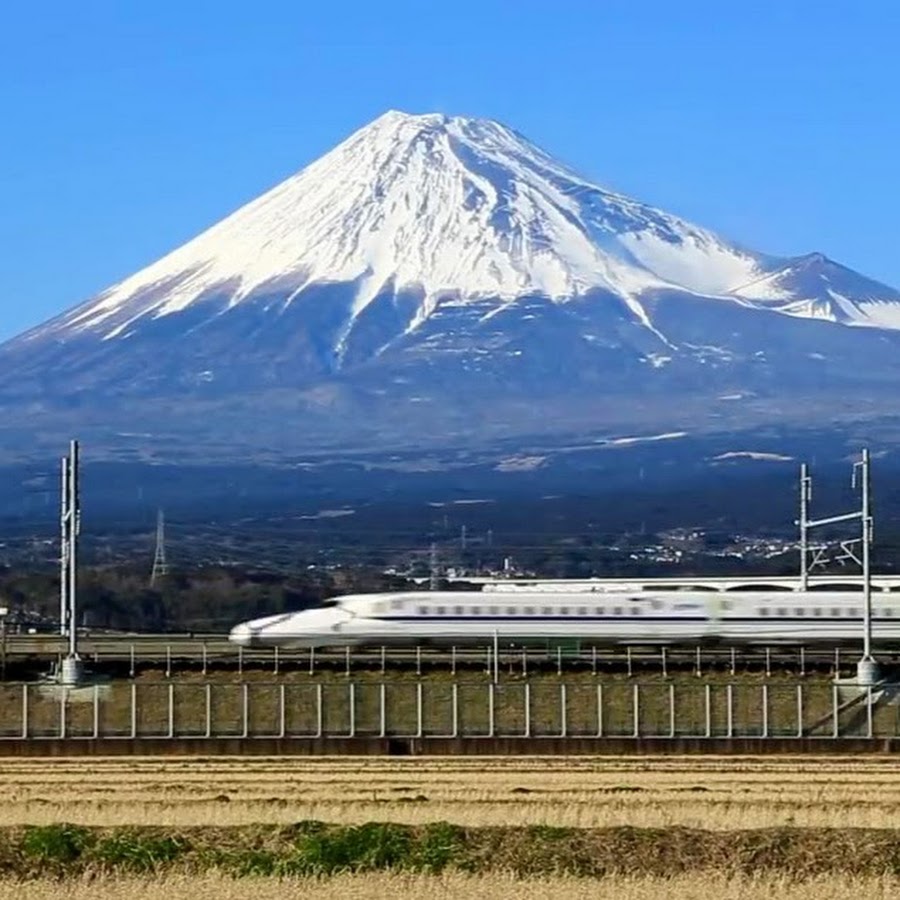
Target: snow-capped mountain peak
{"x":444,"y":206}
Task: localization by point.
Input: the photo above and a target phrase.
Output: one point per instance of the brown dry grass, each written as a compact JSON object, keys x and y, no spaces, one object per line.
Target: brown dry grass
{"x":699,"y":886}
{"x":710,"y":793}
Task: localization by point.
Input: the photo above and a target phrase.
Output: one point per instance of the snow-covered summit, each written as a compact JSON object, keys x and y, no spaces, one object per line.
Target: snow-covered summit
{"x":448,"y":206}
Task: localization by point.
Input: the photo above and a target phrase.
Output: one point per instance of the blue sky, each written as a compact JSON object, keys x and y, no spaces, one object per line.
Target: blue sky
{"x":129,"y":127}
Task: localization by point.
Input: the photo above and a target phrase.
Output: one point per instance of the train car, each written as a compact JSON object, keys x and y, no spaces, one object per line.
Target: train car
{"x":609,"y":617}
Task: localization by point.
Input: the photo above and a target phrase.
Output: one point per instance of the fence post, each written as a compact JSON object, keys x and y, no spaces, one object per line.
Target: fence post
{"x":383,"y":660}
{"x":351,"y":709}
{"x":281,"y":710}
{"x":490,"y":709}
{"x":275,"y":655}
{"x":563,"y":718}
{"x":707,"y":708}
{"x":636,"y":709}
{"x":208,"y":698}
{"x":347,"y":661}
{"x":835,"y":713}
{"x":799,"y":710}
{"x":733,"y":661}
{"x":96,"y":711}
{"x":168,"y":660}
{"x":454,"y":709}
{"x":419,"y":718}
{"x":671,"y":704}
{"x":802,"y":661}
{"x":312,"y":660}
{"x":594,"y":660}
{"x":768,"y":662}
{"x":63,"y":698}
{"x":527,"y":703}
{"x":318,"y":710}
{"x":204,"y":657}
{"x":559,"y":660}
{"x":599,"y":710}
{"x":382,"y":704}
{"x":699,"y":667}
{"x":245,"y":702}
{"x":453,"y":660}
{"x":24,"y":710}
{"x":665,"y":667}
{"x":134,"y":713}
{"x":765,"y":710}
{"x":869,"y":722}
{"x":628,"y":660}
{"x":171,"y":733}
{"x":240,"y":659}
{"x":524,"y":662}
{"x":131,"y":669}
{"x":729,"y":721}
{"x":418,"y":661}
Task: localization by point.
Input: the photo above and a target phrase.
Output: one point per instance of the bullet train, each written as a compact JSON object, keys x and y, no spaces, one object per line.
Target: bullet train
{"x":609,"y":616}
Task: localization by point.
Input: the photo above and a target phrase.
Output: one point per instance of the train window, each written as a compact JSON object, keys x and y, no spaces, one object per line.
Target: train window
{"x":764,"y":610}
{"x":396,"y":604}
{"x":582,"y":610}
{"x":600,"y":610}
{"x":529,"y":610}
{"x":564,"y":610}
{"x":379,"y":608}
{"x":799,"y":611}
{"x":636,"y":610}
{"x":782,"y":612}
{"x":511,"y":611}
{"x":547,"y":611}
{"x":854,"y":612}
{"x":423,"y":610}
{"x":817,"y":611}
{"x":835,"y":611}
{"x":442,"y":610}
{"x":476,"y":610}
{"x":495,"y":610}
{"x":889,"y":612}
{"x":617,"y":611}
{"x":726,"y":604}
{"x":457,"y":610}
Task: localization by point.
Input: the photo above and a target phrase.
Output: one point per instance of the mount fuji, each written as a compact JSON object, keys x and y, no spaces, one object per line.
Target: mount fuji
{"x":437,"y":281}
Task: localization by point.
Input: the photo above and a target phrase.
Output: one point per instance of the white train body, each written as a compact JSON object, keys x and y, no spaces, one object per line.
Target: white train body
{"x":608,"y":616}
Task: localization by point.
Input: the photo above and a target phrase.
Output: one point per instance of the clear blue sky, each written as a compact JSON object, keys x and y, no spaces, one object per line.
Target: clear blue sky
{"x":129,"y":127}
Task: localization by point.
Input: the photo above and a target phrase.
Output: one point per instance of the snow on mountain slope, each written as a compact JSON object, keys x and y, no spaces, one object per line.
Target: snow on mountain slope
{"x":815,"y":287}
{"x":454,"y":207}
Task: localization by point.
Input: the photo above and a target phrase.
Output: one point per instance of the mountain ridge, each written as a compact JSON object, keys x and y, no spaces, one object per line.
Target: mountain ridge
{"x":443,"y":263}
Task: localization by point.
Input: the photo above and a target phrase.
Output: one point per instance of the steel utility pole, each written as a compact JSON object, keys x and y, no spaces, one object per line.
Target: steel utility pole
{"x":867,"y":667}
{"x":70,"y":528}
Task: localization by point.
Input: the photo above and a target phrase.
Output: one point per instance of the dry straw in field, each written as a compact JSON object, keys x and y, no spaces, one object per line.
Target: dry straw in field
{"x":698,"y":886}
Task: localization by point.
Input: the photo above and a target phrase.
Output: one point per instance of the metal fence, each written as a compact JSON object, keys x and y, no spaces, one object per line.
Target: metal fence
{"x":459,"y":709}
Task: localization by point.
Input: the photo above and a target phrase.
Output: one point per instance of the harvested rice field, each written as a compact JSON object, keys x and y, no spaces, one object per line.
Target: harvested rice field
{"x":704,"y":792}
{"x":462,"y":887}
{"x":501,"y":827}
